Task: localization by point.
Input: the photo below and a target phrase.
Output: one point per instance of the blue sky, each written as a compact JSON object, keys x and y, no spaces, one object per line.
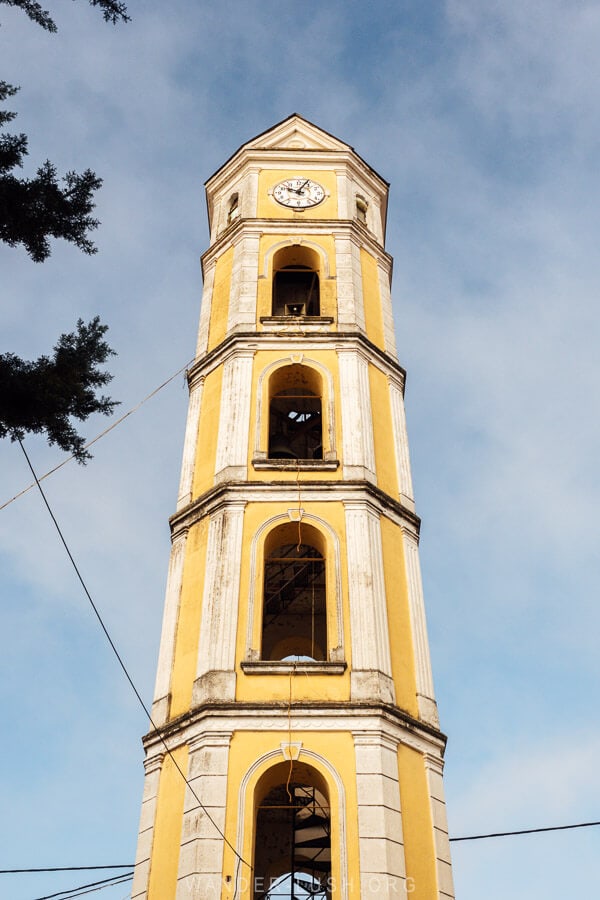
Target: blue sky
{"x":484,"y":117}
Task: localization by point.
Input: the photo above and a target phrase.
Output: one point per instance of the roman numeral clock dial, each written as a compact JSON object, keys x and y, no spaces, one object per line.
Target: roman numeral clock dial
{"x":298,"y":193}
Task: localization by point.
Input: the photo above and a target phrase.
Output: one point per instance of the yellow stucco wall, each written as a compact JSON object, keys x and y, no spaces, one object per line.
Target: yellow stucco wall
{"x":219,"y":309}
{"x":269,"y":208}
{"x":402,"y":651}
{"x":167,"y":828}
{"x":417,"y":825}
{"x":385,"y":457}
{"x":206,"y":453}
{"x":188,"y":621}
{"x":372,"y":298}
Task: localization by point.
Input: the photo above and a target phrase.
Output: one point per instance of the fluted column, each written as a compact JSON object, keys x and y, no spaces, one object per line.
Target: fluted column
{"x":423,"y":673}
{"x":160,"y":706}
{"x":405,"y":485}
{"x":215,"y":673}
{"x":190,"y":444}
{"x":358,"y":447}
{"x":371,"y":674}
{"x":234,"y":419}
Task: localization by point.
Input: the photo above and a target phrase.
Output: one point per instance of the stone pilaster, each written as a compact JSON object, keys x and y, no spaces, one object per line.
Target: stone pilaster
{"x":382,"y":864}
{"x":423,"y":673}
{"x":190,"y":444}
{"x":215,"y":673}
{"x":358,"y":446}
{"x":141,"y":877}
{"x":405,"y":486}
{"x":434,"y":769}
{"x":371,"y":675}
{"x":201,"y":858}
{"x":160,"y":706}
{"x":234,"y":418}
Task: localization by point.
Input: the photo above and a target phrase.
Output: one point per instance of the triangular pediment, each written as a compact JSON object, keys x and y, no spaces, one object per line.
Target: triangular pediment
{"x":295,"y":133}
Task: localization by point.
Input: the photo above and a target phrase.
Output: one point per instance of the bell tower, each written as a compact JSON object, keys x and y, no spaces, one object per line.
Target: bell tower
{"x":295,"y":748}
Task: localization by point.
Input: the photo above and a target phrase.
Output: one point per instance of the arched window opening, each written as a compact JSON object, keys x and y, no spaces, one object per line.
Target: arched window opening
{"x":296,"y":282}
{"x":361,"y":209}
{"x":293,"y":837}
{"x":294,"y":622}
{"x":295,"y":419}
{"x":233,"y":212}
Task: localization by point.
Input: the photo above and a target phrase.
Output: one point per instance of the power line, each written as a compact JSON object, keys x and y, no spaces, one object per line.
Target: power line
{"x":471,"y":837}
{"x":101,"y":435}
{"x":481,"y":837}
{"x":64,"y":869}
{"x":88,"y":888}
{"x":122,"y":664}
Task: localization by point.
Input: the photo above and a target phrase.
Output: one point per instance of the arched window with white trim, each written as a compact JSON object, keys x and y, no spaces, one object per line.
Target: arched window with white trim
{"x":296,"y":287}
{"x":292,"y":856}
{"x":294,"y":617}
{"x":295,"y":414}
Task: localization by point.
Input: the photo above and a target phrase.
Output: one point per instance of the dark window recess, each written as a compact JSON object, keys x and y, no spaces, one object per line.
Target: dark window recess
{"x":293,"y":844}
{"x":296,"y":292}
{"x":295,"y":427}
{"x":294,"y":621}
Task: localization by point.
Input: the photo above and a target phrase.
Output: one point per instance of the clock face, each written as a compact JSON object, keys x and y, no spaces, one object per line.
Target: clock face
{"x":298,"y":192}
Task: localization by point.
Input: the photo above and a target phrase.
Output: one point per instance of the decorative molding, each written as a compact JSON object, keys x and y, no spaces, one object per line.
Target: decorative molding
{"x":282,"y":667}
{"x":291,"y":242}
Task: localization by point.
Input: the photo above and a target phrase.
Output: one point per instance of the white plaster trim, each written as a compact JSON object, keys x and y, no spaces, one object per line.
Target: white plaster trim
{"x":434,"y":768}
{"x":189,"y":445}
{"x":367,"y":598}
{"x":220,"y":601}
{"x":405,"y":485}
{"x":340,"y":821}
{"x":234,"y":416}
{"x":334,"y":592}
{"x":423,"y":673}
{"x":389,"y":337}
{"x":358,"y":444}
{"x":243,"y":289}
{"x":249,"y":196}
{"x":166,"y":653}
{"x":292,"y":242}
{"x":381,"y":841}
{"x":262,"y":398}
{"x":205,"y":307}
{"x":357,"y":284}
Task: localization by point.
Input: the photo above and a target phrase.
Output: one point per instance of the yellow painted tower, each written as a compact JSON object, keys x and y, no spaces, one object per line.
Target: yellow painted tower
{"x":295,"y":747}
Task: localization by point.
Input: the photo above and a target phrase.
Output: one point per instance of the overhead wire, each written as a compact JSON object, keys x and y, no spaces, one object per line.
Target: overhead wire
{"x":102,"y":433}
{"x":497,"y":834}
{"x":122,"y":664}
{"x":89,"y":888}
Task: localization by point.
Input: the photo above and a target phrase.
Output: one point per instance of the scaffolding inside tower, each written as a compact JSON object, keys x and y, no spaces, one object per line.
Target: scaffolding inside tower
{"x":293,"y":849}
